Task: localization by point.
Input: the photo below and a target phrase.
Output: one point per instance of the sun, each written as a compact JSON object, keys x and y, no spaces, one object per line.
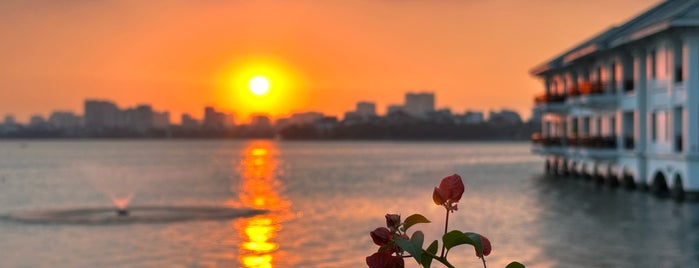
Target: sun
{"x":259,"y":85}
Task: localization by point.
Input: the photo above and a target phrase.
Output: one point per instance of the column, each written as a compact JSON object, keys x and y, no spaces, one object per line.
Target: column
{"x":610,"y":84}
{"x":641,"y":115}
{"x":691,"y":118}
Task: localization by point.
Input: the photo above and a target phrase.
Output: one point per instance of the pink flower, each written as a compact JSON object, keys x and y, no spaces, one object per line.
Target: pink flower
{"x":381,"y":236}
{"x":450,"y":190}
{"x":384,"y":260}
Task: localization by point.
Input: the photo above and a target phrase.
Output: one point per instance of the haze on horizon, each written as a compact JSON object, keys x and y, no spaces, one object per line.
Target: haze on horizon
{"x":326,"y":55}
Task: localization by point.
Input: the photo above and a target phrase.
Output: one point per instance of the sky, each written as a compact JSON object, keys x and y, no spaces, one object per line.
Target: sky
{"x":319,"y":55}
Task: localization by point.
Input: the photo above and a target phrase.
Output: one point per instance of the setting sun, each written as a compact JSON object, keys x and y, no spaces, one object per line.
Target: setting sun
{"x":259,"y":85}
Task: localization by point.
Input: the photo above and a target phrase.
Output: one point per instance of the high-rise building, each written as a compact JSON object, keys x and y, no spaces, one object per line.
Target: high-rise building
{"x":101,"y":114}
{"x":419,"y":104}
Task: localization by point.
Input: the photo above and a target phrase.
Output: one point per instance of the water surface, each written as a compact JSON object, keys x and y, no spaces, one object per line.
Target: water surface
{"x":322,"y":199}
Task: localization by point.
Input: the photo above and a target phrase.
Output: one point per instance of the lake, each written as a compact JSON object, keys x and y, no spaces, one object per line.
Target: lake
{"x":321,"y":200}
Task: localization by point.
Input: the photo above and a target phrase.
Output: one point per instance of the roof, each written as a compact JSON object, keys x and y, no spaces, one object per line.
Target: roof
{"x":668,"y":14}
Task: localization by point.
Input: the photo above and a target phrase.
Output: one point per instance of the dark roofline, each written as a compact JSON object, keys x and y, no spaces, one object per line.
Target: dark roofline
{"x":640,"y":26}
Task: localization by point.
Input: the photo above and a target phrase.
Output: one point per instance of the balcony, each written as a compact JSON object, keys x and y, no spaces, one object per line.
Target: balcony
{"x":592,"y":94}
{"x":554,"y":103}
{"x":592,"y":142}
{"x":549,"y":98}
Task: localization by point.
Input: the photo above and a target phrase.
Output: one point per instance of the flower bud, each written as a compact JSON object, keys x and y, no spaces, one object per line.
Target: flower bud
{"x":392,"y":221}
{"x":381,"y":236}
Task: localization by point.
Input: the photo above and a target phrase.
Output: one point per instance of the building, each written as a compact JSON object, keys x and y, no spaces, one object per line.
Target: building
{"x":188,"y":122}
{"x":101,"y":115}
{"x":365,"y":109}
{"x":395,"y":109}
{"x":506,"y":117}
{"x":623,"y":106}
{"x":161,"y":120}
{"x":473,"y":118}
{"x":37,"y":121}
{"x":65,"y":120}
{"x":419,"y":104}
{"x":214,"y":119}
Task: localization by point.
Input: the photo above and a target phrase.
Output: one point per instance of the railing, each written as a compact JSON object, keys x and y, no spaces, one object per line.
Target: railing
{"x":546,"y":141}
{"x":587,"y":88}
{"x":549,"y":98}
{"x":596,"y":142}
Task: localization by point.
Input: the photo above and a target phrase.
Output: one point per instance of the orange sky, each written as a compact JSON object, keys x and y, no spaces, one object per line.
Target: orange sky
{"x":175,"y":55}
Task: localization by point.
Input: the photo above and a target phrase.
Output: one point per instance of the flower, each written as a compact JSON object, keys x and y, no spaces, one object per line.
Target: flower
{"x":392,"y":221}
{"x":449,"y":191}
{"x":486,"y":246}
{"x":384,"y":260}
{"x":381,"y":236}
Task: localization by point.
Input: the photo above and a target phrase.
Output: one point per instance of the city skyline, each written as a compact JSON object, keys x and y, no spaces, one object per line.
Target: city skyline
{"x":322,"y":56}
{"x":414,"y":104}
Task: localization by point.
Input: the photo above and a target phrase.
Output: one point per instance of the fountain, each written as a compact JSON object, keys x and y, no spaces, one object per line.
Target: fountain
{"x":119,"y":182}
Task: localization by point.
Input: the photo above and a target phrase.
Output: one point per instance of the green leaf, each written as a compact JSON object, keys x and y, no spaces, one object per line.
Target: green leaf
{"x":455,"y":238}
{"x":478,"y":243}
{"x":414,"y":219}
{"x":412,"y":246}
{"x":427,"y":259}
{"x":515,"y":264}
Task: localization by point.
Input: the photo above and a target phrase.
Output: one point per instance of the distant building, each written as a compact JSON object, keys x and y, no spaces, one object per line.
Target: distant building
{"x":10,"y":120}
{"x":139,"y":119}
{"x":188,"y":122}
{"x":473,"y":118}
{"x":305,"y":118}
{"x":101,"y":114}
{"x":504,"y":117}
{"x":260,"y":121}
{"x":395,"y":108}
{"x":352,"y":118}
{"x":65,"y":120}
{"x":366,"y":109}
{"x":161,"y":120}
{"x":9,"y":125}
{"x":214,"y":119}
{"x":419,"y":104}
{"x":37,"y":121}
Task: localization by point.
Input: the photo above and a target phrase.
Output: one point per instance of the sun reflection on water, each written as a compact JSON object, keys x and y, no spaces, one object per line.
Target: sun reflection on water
{"x":260,"y":190}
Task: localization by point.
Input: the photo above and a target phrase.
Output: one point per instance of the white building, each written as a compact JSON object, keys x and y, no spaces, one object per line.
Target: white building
{"x":623,"y":107}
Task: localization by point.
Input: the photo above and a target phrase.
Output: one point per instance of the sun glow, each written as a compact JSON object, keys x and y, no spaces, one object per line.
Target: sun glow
{"x":258,"y":84}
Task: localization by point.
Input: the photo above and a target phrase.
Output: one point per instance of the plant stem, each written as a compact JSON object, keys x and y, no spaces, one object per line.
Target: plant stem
{"x":446,"y":225}
{"x":439,"y":259}
{"x":483,"y":258}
